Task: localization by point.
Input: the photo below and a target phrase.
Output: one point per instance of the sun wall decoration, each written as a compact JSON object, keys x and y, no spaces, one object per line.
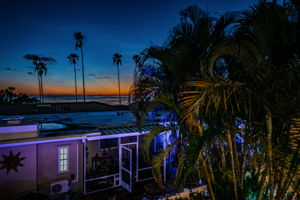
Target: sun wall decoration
{"x":11,"y":161}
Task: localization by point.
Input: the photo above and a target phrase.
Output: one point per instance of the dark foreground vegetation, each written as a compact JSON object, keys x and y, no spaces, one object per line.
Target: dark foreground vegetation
{"x":229,"y":89}
{"x":9,"y":96}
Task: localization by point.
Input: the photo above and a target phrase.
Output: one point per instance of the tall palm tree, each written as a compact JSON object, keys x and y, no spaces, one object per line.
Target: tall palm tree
{"x":41,"y":70}
{"x":40,"y":66}
{"x":137,"y":59}
{"x":206,"y":76}
{"x":73,"y":59}
{"x":138,"y":62}
{"x":256,"y":47}
{"x":162,"y":76}
{"x":79,"y":43}
{"x":117,"y":61}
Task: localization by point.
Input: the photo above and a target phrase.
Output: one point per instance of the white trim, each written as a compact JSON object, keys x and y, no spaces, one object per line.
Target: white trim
{"x":101,"y":177}
{"x":102,"y":189}
{"x":145,"y":168}
{"x":64,"y":138}
{"x":84,"y":166}
{"x":115,"y":135}
{"x":130,"y":143}
{"x":16,"y":143}
{"x":146,"y":179}
{"x":127,"y":186}
{"x":59,"y":159}
{"x":77,"y":164}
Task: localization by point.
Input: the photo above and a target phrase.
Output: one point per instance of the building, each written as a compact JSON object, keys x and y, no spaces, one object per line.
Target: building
{"x":39,"y":155}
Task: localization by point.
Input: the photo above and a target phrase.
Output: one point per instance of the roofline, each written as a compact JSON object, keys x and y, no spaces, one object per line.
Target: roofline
{"x":91,"y":138}
{"x":40,"y":141}
{"x":83,"y":138}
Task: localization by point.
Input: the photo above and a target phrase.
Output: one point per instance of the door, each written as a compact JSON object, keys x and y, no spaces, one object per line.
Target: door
{"x":126,"y":168}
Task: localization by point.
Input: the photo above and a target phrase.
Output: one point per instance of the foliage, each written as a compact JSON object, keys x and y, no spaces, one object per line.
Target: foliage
{"x":73,"y":59}
{"x":231,"y":86}
{"x":8,"y":96}
{"x":40,"y":67}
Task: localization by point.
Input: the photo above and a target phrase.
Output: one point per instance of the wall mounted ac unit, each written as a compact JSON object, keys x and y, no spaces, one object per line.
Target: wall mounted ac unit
{"x":59,"y":187}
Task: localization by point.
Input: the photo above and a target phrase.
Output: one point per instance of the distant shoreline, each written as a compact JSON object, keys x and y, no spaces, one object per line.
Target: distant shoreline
{"x":53,"y":108}
{"x":106,"y":99}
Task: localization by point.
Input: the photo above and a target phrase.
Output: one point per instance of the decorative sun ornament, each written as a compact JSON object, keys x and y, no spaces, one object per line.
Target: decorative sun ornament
{"x":11,"y":161}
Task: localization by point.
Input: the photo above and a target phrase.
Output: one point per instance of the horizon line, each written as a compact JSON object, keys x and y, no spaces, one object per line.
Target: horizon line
{"x":81,"y":94}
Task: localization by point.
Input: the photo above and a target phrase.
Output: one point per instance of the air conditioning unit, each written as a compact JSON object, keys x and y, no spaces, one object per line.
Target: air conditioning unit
{"x":59,"y":187}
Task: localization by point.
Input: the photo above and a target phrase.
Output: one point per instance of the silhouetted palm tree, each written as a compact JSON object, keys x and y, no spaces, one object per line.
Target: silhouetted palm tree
{"x":79,"y":42}
{"x":138,"y":62}
{"x":117,"y":61}
{"x":137,"y":59}
{"x":73,"y":59}
{"x":41,"y":69}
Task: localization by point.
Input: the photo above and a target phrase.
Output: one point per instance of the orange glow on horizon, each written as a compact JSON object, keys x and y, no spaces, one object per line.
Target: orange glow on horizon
{"x":54,"y":90}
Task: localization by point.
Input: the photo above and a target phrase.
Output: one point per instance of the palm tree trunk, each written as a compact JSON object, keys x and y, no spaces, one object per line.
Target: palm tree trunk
{"x":223,"y":159}
{"x":208,"y":177}
{"x":236,"y":160}
{"x":243,"y":167}
{"x":282,"y":179}
{"x":288,"y":181}
{"x":270,"y":152}
{"x":232,"y":164}
{"x":42,"y":89}
{"x":39,"y":82}
{"x":296,"y":191}
{"x":119,"y":85}
{"x":75,"y":83}
{"x":82,"y":69}
{"x":209,"y":164}
{"x":262,"y":187}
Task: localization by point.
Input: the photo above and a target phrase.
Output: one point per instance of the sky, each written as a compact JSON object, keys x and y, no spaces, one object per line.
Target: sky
{"x":46,"y":27}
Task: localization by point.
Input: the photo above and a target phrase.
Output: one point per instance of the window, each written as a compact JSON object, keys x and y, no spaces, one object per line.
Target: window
{"x":63,"y":159}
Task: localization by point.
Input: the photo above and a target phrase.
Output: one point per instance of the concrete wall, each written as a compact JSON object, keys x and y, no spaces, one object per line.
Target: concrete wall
{"x":43,"y":165}
{"x":48,"y":165}
{"x":15,"y":184}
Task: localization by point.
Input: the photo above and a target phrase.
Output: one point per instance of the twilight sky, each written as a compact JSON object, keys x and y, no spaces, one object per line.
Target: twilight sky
{"x":46,"y":27}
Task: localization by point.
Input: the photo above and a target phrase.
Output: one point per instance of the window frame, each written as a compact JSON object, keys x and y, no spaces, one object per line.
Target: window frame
{"x":100,"y":148}
{"x":59,"y":160}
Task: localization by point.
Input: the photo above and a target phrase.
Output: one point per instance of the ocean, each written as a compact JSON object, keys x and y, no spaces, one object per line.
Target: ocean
{"x":108,"y":99}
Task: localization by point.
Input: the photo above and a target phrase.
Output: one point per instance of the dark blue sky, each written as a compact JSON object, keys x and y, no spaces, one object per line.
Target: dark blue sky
{"x":46,"y":27}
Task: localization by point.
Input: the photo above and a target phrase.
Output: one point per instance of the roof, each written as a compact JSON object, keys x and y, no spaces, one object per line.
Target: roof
{"x":69,"y":123}
{"x":126,"y":129}
{"x":50,"y":108}
{"x":105,"y":132}
{"x":84,"y":124}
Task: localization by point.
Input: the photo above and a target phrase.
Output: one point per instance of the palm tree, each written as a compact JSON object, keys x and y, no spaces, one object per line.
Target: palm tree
{"x":161,"y":78}
{"x":138,"y":62}
{"x":257,"y":48}
{"x":249,"y":77}
{"x":117,"y":61}
{"x":137,"y":59}
{"x":40,"y":66}
{"x":79,"y":43}
{"x":73,"y":59}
